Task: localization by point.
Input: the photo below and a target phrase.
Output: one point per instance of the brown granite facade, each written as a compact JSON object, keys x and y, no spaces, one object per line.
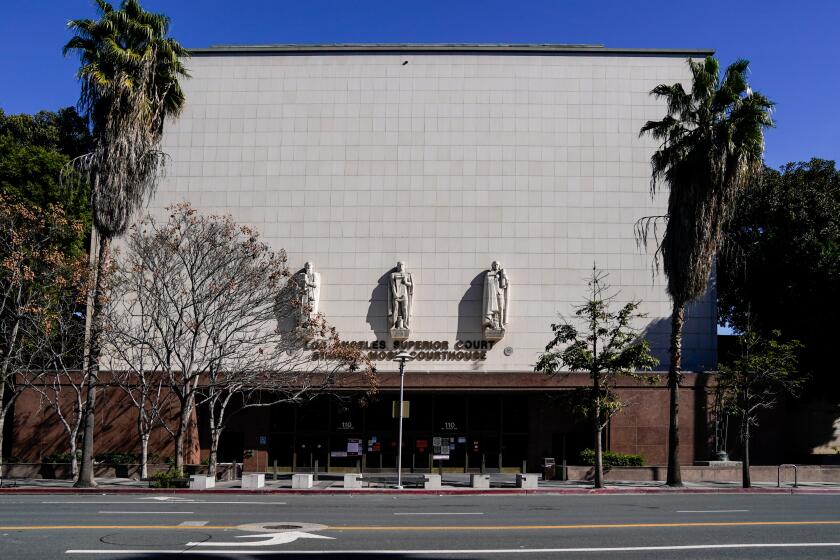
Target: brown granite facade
{"x":498,"y":419}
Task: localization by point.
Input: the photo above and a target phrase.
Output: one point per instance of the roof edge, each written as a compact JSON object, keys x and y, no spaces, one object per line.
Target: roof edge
{"x":596,"y":50}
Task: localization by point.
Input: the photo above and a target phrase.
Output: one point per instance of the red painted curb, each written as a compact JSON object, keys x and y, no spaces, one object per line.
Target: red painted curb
{"x":453,"y":491}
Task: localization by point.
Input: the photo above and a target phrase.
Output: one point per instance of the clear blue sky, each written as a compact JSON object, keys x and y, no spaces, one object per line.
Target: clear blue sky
{"x":793,"y":46}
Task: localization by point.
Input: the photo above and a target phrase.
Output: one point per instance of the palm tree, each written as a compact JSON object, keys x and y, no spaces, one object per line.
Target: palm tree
{"x":711,"y":147}
{"x":129,"y":74}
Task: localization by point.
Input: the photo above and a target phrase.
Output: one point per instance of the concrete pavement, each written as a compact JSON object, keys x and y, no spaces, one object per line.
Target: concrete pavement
{"x":452,"y":483}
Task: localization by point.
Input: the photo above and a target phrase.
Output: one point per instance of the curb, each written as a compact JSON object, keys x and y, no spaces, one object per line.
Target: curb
{"x":420,"y":492}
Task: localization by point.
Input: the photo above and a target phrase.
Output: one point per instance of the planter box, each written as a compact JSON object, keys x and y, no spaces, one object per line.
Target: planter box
{"x":201,"y":482}
{"x":253,"y":481}
{"x":302,"y":481}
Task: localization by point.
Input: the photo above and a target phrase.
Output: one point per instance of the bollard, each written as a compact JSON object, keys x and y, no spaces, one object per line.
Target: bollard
{"x":524,"y":466}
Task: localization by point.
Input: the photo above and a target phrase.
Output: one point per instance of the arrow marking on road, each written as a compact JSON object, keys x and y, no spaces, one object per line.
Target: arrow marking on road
{"x":271,"y":539}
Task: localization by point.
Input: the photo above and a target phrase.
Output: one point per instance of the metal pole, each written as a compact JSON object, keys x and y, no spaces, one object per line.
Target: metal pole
{"x":400,"y":437}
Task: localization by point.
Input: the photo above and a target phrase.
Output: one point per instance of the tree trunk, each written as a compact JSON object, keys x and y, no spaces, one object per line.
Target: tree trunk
{"x":144,"y":456}
{"x":674,"y":377}
{"x":596,"y":428}
{"x":214,"y":439}
{"x":183,"y":424}
{"x":85,"y":479}
{"x":214,"y":450}
{"x":74,"y":461}
{"x":745,"y":463}
{"x":3,"y":408}
{"x":599,"y":457}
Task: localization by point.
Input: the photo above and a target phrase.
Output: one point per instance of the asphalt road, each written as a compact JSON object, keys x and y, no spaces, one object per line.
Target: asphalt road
{"x":404,"y":527}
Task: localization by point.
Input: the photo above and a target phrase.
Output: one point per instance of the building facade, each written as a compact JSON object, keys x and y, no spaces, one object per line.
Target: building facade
{"x":499,"y":176}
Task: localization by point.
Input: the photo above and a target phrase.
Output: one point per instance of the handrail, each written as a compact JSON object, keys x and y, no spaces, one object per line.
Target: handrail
{"x":795,"y":475}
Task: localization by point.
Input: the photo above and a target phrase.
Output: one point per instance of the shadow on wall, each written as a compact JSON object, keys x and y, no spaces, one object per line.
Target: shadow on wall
{"x":658,"y":333}
{"x":469,"y":312}
{"x":287,"y":304}
{"x":377,"y":315}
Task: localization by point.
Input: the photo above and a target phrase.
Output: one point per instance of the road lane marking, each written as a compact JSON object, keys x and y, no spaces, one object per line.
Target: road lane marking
{"x":712,"y":510}
{"x":149,"y":512}
{"x":124,"y":503}
{"x":440,"y":513}
{"x":473,"y":551}
{"x":591,"y":526}
{"x":451,"y":527}
{"x":193,"y":523}
{"x":98,"y":527}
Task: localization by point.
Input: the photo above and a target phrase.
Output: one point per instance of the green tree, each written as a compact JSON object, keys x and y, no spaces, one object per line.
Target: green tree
{"x":781,"y":263}
{"x":764,"y":371}
{"x":605,"y":345}
{"x":711,"y":147}
{"x":129,"y":74}
{"x":34,"y":149}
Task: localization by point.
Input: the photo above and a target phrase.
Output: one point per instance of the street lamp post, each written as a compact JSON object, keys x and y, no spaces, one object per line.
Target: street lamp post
{"x":402,"y":358}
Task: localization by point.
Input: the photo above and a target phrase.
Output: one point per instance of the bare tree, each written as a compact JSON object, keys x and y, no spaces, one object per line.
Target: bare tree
{"x":145,"y":386}
{"x":61,"y":381}
{"x":205,"y":300}
{"x":39,"y":284}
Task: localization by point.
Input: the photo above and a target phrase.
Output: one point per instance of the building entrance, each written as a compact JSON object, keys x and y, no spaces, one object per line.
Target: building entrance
{"x":484,"y":432}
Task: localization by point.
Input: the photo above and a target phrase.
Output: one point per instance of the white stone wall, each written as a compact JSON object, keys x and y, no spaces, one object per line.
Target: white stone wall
{"x":356,"y":161}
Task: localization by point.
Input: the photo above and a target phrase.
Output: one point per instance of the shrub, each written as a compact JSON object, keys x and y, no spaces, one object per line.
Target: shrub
{"x":116,"y":458}
{"x":63,"y":458}
{"x":587,"y":457}
{"x":168,"y":479}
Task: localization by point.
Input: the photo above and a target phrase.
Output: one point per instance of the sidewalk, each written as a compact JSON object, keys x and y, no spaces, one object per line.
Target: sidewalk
{"x":452,"y":484}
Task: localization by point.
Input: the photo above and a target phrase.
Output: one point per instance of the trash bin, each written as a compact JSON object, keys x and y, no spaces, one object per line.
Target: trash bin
{"x":549,"y":468}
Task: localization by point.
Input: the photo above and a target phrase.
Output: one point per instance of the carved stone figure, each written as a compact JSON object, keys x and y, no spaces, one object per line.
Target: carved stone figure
{"x":310,"y":292}
{"x":401,"y":294}
{"x":496,"y":302}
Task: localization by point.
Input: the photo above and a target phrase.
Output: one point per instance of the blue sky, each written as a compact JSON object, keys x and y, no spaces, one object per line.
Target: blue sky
{"x":793,"y":46}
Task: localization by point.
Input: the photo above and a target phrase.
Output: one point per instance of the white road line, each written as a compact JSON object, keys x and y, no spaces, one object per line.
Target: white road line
{"x":199,"y":502}
{"x":712,"y":510}
{"x":193,"y":523}
{"x":457,"y":551}
{"x":439,"y":513}
{"x":149,"y":512}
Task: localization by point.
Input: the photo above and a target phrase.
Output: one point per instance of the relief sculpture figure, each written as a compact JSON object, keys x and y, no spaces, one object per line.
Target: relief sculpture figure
{"x":401,"y":292}
{"x":496,"y":302}
{"x":310,"y":292}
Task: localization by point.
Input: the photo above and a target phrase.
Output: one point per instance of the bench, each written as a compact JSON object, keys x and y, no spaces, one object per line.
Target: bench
{"x":8,"y":482}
